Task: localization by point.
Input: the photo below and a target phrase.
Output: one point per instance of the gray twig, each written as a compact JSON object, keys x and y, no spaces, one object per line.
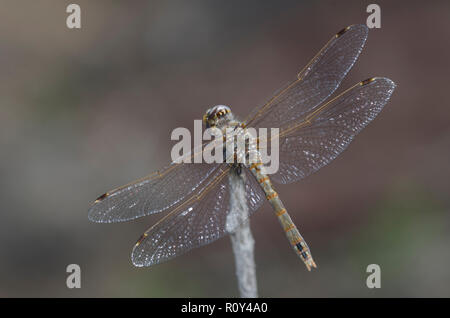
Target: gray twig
{"x":241,"y":237}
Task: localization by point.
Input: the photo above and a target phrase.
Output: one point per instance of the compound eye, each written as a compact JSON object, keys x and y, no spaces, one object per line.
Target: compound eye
{"x":210,"y":116}
{"x":222,"y":112}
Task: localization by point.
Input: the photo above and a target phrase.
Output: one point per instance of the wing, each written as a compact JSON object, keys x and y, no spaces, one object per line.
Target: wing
{"x":315,"y":83}
{"x":155,"y":193}
{"x":323,"y":134}
{"x":201,"y":220}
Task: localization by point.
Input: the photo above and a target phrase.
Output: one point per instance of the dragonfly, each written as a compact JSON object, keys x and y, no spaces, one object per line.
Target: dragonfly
{"x":313,"y":130}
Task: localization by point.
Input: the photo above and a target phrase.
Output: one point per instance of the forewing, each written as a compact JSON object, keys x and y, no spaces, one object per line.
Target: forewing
{"x":202,"y":220}
{"x":163,"y":190}
{"x":315,"y":83}
{"x":323,"y":134}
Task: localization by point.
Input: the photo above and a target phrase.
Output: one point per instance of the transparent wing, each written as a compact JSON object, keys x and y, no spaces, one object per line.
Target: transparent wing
{"x":155,"y":193}
{"x":323,"y":134}
{"x":200,"y":221}
{"x":315,"y":83}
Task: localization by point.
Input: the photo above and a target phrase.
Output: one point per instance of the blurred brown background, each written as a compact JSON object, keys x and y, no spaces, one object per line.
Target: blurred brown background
{"x":83,"y":111}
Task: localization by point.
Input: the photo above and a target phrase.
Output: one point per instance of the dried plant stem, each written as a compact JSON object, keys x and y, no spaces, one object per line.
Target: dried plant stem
{"x":241,"y":238}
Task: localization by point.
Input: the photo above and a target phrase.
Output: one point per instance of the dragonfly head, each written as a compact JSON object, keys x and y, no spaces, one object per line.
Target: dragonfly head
{"x":217,"y":116}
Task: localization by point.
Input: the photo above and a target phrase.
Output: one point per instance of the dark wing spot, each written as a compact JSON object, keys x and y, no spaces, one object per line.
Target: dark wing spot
{"x":100,"y":198}
{"x":340,"y":33}
{"x":143,"y":236}
{"x":367,"y":81}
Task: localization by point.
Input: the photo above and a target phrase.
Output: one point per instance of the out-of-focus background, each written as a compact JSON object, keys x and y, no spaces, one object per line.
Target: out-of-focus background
{"x":83,"y":111}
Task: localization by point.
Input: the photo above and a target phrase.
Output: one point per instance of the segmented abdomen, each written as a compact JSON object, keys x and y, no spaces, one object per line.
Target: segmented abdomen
{"x":296,"y":240}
